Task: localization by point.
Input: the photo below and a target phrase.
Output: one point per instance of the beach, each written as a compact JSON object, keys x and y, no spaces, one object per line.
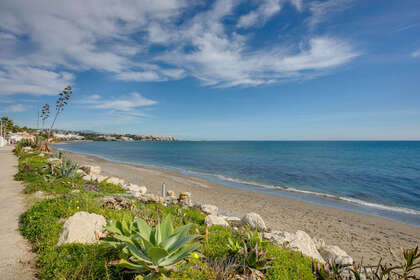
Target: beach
{"x":366,"y":238}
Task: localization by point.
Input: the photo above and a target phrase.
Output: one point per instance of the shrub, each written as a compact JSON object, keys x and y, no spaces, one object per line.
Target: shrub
{"x":151,"y":251}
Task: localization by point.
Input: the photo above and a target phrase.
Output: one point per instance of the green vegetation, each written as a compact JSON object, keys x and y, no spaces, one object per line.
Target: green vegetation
{"x":143,"y":235}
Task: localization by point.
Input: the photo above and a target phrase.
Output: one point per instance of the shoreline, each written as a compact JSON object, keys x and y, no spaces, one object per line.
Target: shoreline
{"x":362,"y":236}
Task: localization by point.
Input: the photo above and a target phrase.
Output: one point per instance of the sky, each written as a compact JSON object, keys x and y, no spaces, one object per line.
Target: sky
{"x":216,"y":70}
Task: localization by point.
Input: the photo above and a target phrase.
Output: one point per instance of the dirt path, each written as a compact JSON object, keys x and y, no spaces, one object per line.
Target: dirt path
{"x":15,"y":254}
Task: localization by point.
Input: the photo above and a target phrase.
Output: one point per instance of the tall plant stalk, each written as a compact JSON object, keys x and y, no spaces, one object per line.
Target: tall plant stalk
{"x":63,"y":98}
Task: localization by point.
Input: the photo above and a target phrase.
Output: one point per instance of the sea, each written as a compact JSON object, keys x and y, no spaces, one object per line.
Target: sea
{"x":380,"y":178}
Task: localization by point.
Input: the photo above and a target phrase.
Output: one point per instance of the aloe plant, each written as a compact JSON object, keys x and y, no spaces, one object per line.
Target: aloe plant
{"x":68,"y":169}
{"x":151,"y":251}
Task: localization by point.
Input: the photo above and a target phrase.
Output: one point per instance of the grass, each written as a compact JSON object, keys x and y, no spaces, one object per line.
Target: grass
{"x":42,"y":225}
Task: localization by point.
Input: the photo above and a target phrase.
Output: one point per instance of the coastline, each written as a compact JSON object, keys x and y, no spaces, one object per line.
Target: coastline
{"x":366,"y":238}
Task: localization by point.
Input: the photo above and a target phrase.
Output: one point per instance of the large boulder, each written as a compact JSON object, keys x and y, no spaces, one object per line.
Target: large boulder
{"x":91,"y":169}
{"x":135,"y":188}
{"x":215,"y":220}
{"x":299,"y":241}
{"x":209,"y":209}
{"x":335,"y":254}
{"x":82,"y":227}
{"x":254,"y":221}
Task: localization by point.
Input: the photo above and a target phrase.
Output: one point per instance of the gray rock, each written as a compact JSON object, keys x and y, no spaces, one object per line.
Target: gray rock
{"x":115,"y":181}
{"x":209,"y":209}
{"x":83,"y":228}
{"x":215,"y":220}
{"x":300,"y":241}
{"x":91,"y":169}
{"x":336,"y":254}
{"x":135,"y":188}
{"x":254,"y":221}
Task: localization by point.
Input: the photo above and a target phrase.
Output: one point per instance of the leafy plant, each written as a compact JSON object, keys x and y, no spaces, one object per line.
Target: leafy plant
{"x":63,"y":99}
{"x":68,"y":169}
{"x":151,"y":251}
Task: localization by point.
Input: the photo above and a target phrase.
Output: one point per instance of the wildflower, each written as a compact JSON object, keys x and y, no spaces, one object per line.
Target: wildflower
{"x":195,"y":255}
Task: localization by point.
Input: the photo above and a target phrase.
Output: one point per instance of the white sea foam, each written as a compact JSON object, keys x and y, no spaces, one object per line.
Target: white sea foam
{"x":318,"y":194}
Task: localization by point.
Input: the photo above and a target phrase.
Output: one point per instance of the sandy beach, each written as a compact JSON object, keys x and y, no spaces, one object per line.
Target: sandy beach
{"x":366,"y":238}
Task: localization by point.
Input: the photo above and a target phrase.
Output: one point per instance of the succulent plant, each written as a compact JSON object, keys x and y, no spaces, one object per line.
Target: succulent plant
{"x":151,"y":251}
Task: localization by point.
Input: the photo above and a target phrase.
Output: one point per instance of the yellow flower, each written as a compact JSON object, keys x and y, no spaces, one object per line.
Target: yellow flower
{"x":77,"y":207}
{"x":195,"y":255}
{"x":77,"y":201}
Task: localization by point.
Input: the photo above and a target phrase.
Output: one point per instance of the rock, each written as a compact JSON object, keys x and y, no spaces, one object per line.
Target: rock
{"x":91,"y":187}
{"x":117,"y":203}
{"x":42,"y":195}
{"x":87,"y":178}
{"x":42,"y":155}
{"x":300,"y":241}
{"x":171,"y":194}
{"x":99,"y":178}
{"x":115,"y":181}
{"x":184,"y":198}
{"x":91,"y":169}
{"x":27,"y":149}
{"x":215,"y":220}
{"x":336,"y":254}
{"x":234,"y":221}
{"x":81,"y":172}
{"x":83,"y":228}
{"x":135,"y":188}
{"x":254,"y":220}
{"x":209,"y":209}
{"x":319,"y":243}
{"x":75,"y":191}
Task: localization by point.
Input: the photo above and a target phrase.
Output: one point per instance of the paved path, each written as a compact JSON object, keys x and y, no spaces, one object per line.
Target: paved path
{"x":15,"y":255}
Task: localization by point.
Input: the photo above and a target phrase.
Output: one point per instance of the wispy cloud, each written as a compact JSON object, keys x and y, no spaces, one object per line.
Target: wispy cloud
{"x":323,"y":10}
{"x":15,"y":108}
{"x":416,"y":53}
{"x":120,"y":37}
{"x":127,"y":104}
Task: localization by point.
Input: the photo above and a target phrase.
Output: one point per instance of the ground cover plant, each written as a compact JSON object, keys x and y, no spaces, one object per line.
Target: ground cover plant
{"x":199,"y":253}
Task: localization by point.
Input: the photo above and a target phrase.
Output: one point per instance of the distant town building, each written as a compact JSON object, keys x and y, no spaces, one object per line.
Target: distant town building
{"x":68,"y":136}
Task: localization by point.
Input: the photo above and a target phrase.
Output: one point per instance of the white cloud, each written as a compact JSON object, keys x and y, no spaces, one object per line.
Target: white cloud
{"x":416,"y":53}
{"x":15,"y":108}
{"x":65,"y":37}
{"x":26,"y":79}
{"x":321,"y":11}
{"x":127,"y":104}
{"x":138,"y":76}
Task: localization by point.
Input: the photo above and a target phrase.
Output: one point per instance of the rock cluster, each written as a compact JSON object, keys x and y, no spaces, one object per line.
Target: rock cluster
{"x":117,"y":203}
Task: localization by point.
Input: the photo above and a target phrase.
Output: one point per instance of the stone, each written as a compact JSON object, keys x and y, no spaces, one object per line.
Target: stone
{"x":215,"y":220}
{"x":75,"y":191}
{"x":335,"y":254}
{"x":234,"y":221}
{"x":91,"y":187}
{"x":135,"y":188}
{"x":99,"y":178}
{"x":82,"y":227}
{"x":91,"y":169}
{"x":27,"y":149}
{"x":171,"y":194}
{"x":115,"y":181}
{"x":87,"y":178}
{"x":117,"y":203}
{"x":184,"y":198}
{"x":81,"y":172}
{"x":254,"y":221}
{"x":209,"y":209}
{"x":300,"y":241}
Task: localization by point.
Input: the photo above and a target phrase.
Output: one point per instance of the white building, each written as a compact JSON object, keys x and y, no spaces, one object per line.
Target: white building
{"x":68,"y":136}
{"x":3,"y":142}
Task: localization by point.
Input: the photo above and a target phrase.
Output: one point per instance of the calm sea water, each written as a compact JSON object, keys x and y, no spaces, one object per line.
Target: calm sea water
{"x":378,"y":178}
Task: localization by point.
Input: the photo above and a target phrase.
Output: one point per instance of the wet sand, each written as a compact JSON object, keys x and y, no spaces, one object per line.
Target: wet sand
{"x":364,"y":237}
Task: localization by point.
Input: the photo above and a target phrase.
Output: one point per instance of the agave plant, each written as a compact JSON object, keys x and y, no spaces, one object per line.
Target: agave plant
{"x":68,"y":169}
{"x":151,"y":251}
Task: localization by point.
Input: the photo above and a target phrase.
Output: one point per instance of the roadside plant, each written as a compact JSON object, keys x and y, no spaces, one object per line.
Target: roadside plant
{"x":151,"y":251}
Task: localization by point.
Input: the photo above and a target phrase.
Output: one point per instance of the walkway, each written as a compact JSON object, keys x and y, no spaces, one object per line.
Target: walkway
{"x":15,"y":255}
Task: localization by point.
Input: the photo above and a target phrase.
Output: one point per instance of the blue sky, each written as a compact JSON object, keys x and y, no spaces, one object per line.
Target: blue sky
{"x":269,"y":69}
